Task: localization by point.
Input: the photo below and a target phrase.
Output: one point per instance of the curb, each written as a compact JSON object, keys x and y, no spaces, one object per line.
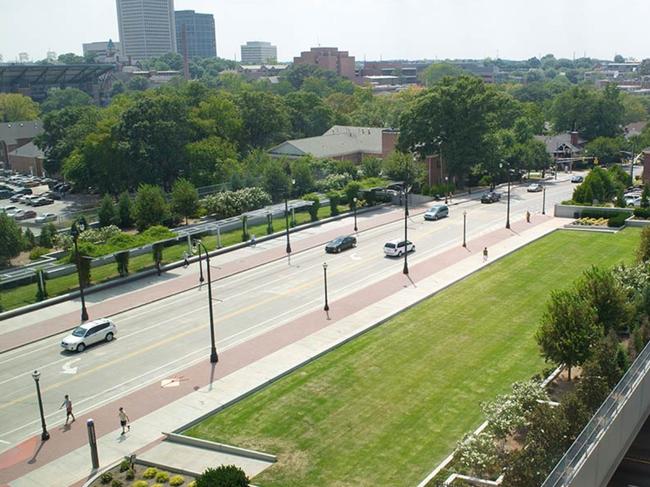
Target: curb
{"x":220,"y":447}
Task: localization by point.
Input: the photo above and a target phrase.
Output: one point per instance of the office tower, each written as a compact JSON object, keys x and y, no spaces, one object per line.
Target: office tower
{"x":199,"y":34}
{"x":256,"y":52}
{"x":147,"y":28}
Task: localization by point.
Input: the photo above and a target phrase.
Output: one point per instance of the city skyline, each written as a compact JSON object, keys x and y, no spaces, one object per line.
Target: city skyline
{"x":372,"y":30}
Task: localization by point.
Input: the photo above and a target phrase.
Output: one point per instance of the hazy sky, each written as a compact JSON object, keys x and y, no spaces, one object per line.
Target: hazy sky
{"x":371,"y":29}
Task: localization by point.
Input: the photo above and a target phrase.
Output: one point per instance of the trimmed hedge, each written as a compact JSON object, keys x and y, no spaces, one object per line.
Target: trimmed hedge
{"x":643,"y":213}
{"x":617,"y":220}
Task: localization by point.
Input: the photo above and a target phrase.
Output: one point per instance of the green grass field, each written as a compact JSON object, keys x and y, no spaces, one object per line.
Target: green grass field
{"x":26,"y":294}
{"x":384,"y":409}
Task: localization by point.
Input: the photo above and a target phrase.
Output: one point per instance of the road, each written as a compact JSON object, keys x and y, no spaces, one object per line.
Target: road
{"x":161,"y":338}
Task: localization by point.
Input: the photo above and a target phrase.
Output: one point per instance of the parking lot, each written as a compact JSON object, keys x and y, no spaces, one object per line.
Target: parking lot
{"x":63,"y":209}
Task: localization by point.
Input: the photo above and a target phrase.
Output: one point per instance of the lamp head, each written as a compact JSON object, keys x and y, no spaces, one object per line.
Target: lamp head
{"x":36,"y":375}
{"x":325,"y":265}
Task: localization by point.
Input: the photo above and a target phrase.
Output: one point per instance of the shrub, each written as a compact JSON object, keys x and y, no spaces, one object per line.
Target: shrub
{"x":122,"y":259}
{"x":150,"y":207}
{"x":192,"y":484}
{"x":176,"y":480}
{"x":226,"y":476}
{"x":29,"y":239}
{"x":162,"y":477}
{"x":130,"y":474}
{"x":125,"y":465}
{"x":106,"y":477}
{"x":313,"y":209}
{"x":617,"y":220}
{"x":150,"y":473}
{"x":124,"y":211}
{"x":106,"y":212}
{"x":37,"y":252}
{"x":334,"y":198}
{"x":140,"y":483}
{"x":352,"y":191}
{"x":332,"y":182}
{"x":642,"y":213}
{"x":643,"y":251}
{"x":232,"y":203}
{"x":117,"y":483}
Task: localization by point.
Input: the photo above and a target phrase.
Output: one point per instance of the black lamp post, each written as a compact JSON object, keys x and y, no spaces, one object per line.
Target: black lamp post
{"x":286,"y":216}
{"x":632,"y":161}
{"x":464,"y":229}
{"x":543,"y":200}
{"x":354,"y":207}
{"x":200,"y":267}
{"x":327,"y":306}
{"x":77,"y":228}
{"x":214,"y":358}
{"x":36,"y":376}
{"x":508,"y":211}
{"x":406,"y":215}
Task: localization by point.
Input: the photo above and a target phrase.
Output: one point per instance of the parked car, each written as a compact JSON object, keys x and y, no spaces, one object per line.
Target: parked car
{"x":53,"y":195}
{"x":577,"y":179}
{"x":46,"y":217}
{"x":534,"y":188}
{"x":633,"y":200}
{"x":88,"y":334}
{"x":396,"y":248}
{"x":436,"y":212}
{"x":29,"y":199}
{"x":41,"y":201}
{"x":24,"y":191}
{"x":32,"y":183}
{"x":490,"y":197}
{"x":24,"y":214}
{"x":4,"y":194}
{"x":8,"y":208}
{"x":340,"y":243}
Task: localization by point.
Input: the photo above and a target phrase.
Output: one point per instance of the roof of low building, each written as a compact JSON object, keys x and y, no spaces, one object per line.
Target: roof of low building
{"x":337,"y":141}
{"x":28,"y":150}
{"x":554,"y":142}
{"x":11,"y":132}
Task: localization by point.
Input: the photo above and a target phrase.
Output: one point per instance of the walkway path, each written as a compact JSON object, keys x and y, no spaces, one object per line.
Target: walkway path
{"x":199,"y":390}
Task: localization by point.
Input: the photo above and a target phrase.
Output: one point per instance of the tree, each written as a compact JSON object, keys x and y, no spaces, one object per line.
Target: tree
{"x":437,"y":71}
{"x":106,"y":212}
{"x":15,"y":107}
{"x":308,"y":114}
{"x":351,"y":191}
{"x":301,"y":173}
{"x":59,"y":98}
{"x":29,"y":239}
{"x":219,"y":116}
{"x":568,"y":330}
{"x":265,"y":118}
{"x":605,"y":295}
{"x":619,"y":59}
{"x":371,"y":167}
{"x":70,"y":58}
{"x":401,"y":167}
{"x":124,"y":217}
{"x":185,"y":198}
{"x":644,"y":67}
{"x":276,"y":181}
{"x":122,"y":260}
{"x":150,"y":207}
{"x":211,"y":161}
{"x":597,"y":185}
{"x":315,"y":206}
{"x":138,"y":83}
{"x":11,"y":240}
{"x":46,"y":238}
{"x":643,"y":251}
{"x":222,"y":476}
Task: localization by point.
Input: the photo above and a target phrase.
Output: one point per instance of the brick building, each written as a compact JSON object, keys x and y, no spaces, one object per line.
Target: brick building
{"x":17,"y":134}
{"x":27,"y":159}
{"x":329,"y":58}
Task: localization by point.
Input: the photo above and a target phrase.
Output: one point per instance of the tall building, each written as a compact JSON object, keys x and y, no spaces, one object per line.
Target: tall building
{"x":199,"y":34}
{"x":328,"y":58}
{"x":103,"y":52}
{"x":257,"y":52}
{"x":147,"y":28}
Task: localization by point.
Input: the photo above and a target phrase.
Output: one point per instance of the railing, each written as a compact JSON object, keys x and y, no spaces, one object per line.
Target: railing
{"x":589,"y":451}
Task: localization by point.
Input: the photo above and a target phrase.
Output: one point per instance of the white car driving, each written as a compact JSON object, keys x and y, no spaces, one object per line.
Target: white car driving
{"x":397,"y":248}
{"x":89,"y":334}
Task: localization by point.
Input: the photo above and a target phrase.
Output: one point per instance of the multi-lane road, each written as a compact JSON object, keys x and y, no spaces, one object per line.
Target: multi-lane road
{"x":158,"y":339}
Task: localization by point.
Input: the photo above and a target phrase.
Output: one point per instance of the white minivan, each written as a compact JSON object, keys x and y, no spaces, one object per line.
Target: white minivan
{"x":397,"y":248}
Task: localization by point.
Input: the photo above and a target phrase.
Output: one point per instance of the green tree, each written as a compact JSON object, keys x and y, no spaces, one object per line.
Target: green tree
{"x":70,"y":58}
{"x":276,"y":181}
{"x":138,"y":83}
{"x":11,"y":240}
{"x":15,"y":107}
{"x":106,"y":212}
{"x":219,"y":116}
{"x":643,"y":251}
{"x":46,"y":238}
{"x":400,"y":166}
{"x":185,"y":198}
{"x":371,"y":167}
{"x":265,"y":118}
{"x":437,"y":71}
{"x":59,"y":98}
{"x":568,"y":330}
{"x":315,"y":206}
{"x":602,"y":292}
{"x":124,"y":211}
{"x":309,"y":115}
{"x":211,"y":161}
{"x":122,"y":260}
{"x":29,"y":239}
{"x":597,"y":185}
{"x":351,"y":191}
{"x":150,"y":207}
{"x":606,"y":149}
{"x":222,"y":476}
{"x":301,"y":173}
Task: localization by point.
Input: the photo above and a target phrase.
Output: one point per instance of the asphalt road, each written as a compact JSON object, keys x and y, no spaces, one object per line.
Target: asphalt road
{"x":158,"y":339}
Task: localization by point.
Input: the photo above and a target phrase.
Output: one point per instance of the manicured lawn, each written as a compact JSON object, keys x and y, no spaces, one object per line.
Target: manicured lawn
{"x":26,"y":294}
{"x":387,"y":407}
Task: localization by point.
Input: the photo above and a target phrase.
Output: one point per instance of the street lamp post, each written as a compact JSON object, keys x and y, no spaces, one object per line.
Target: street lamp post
{"x":286,"y":217}
{"x":543,"y":200}
{"x":406,"y":215}
{"x":354,"y":207}
{"x":36,"y":376}
{"x":200,"y":267}
{"x":214,"y":358}
{"x":464,"y":229}
{"x":632,"y":162}
{"x":77,"y":228}
{"x":508,"y":210}
{"x":327,"y":306}
{"x":446,"y":188}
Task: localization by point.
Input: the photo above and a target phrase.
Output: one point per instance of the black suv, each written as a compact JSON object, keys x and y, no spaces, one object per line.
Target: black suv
{"x":490,"y":197}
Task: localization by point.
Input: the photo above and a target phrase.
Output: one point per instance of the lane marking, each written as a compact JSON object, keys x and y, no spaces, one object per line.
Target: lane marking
{"x":67,"y":367}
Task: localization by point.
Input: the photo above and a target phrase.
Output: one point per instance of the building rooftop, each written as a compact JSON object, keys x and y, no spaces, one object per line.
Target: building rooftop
{"x":11,"y":132}
{"x":28,"y":150}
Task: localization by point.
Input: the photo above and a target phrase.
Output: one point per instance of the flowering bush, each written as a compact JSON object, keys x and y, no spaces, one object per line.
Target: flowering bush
{"x":233,"y":203}
{"x":507,"y":413}
{"x":333,"y":182}
{"x":479,"y":455}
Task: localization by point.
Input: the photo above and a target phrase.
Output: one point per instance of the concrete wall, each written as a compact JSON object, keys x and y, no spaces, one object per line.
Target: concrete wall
{"x":570,"y":211}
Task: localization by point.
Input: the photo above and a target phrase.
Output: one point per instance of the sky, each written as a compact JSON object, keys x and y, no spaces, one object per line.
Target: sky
{"x":367,"y":29}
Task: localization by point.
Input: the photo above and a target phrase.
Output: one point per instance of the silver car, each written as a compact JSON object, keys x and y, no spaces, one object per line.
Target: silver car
{"x":89,"y":334}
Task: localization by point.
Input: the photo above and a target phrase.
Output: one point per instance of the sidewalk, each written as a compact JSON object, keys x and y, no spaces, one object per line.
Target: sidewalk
{"x":201,"y":389}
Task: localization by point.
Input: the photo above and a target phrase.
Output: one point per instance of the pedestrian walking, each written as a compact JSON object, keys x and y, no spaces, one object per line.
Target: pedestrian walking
{"x":124,"y":421}
{"x":68,"y":409}
{"x":485,"y":254}
{"x":527,"y":216}
{"x":186,"y":262}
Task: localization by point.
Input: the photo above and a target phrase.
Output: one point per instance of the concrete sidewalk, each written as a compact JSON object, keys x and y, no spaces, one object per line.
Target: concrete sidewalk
{"x":202,"y":389}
